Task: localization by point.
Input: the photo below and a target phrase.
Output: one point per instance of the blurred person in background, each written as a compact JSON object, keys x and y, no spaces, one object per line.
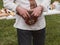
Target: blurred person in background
{"x":28,"y":10}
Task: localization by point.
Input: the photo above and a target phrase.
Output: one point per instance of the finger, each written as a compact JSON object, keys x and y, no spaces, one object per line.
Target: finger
{"x":40,"y":12}
{"x":28,"y":15}
{"x":24,"y":16}
{"x":36,"y":14}
{"x":32,"y":13}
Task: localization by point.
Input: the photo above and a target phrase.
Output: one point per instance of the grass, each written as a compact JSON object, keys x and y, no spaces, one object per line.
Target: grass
{"x":53,"y":30}
{"x":1,"y":4}
{"x":8,"y":34}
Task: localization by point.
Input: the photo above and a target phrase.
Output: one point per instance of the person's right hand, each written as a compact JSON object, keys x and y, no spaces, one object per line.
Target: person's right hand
{"x":22,"y":12}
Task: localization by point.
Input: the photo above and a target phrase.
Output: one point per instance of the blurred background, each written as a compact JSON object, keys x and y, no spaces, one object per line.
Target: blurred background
{"x":8,"y":34}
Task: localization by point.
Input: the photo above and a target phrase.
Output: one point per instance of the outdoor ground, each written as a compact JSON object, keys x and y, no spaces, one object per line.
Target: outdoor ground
{"x":8,"y":34}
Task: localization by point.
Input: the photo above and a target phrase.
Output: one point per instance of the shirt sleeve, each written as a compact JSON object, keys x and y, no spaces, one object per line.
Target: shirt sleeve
{"x":45,"y":4}
{"x":9,"y":4}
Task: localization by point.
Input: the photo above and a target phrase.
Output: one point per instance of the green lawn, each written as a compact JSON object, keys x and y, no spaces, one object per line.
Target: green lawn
{"x":1,"y":4}
{"x":8,"y":35}
{"x":53,"y":30}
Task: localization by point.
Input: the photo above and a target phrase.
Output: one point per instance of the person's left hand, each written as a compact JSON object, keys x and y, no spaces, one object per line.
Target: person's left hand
{"x":37,"y":11}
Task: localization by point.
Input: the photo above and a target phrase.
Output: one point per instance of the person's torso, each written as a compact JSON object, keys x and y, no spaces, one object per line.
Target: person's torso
{"x":20,"y":21}
{"x":26,"y":4}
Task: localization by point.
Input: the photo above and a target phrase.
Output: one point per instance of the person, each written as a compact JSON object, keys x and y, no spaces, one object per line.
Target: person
{"x":29,"y":34}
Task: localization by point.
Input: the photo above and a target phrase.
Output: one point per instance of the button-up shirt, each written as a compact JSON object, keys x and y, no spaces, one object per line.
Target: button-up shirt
{"x":20,"y":23}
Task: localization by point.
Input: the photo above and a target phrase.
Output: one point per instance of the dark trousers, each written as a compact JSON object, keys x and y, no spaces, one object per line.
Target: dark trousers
{"x":26,"y":37}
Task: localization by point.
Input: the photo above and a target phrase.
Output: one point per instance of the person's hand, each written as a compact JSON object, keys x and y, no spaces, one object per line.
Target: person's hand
{"x":22,"y":12}
{"x":37,"y":11}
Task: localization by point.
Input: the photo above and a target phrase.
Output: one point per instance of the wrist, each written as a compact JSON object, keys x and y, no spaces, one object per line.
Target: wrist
{"x":41,"y":7}
{"x":17,"y":8}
